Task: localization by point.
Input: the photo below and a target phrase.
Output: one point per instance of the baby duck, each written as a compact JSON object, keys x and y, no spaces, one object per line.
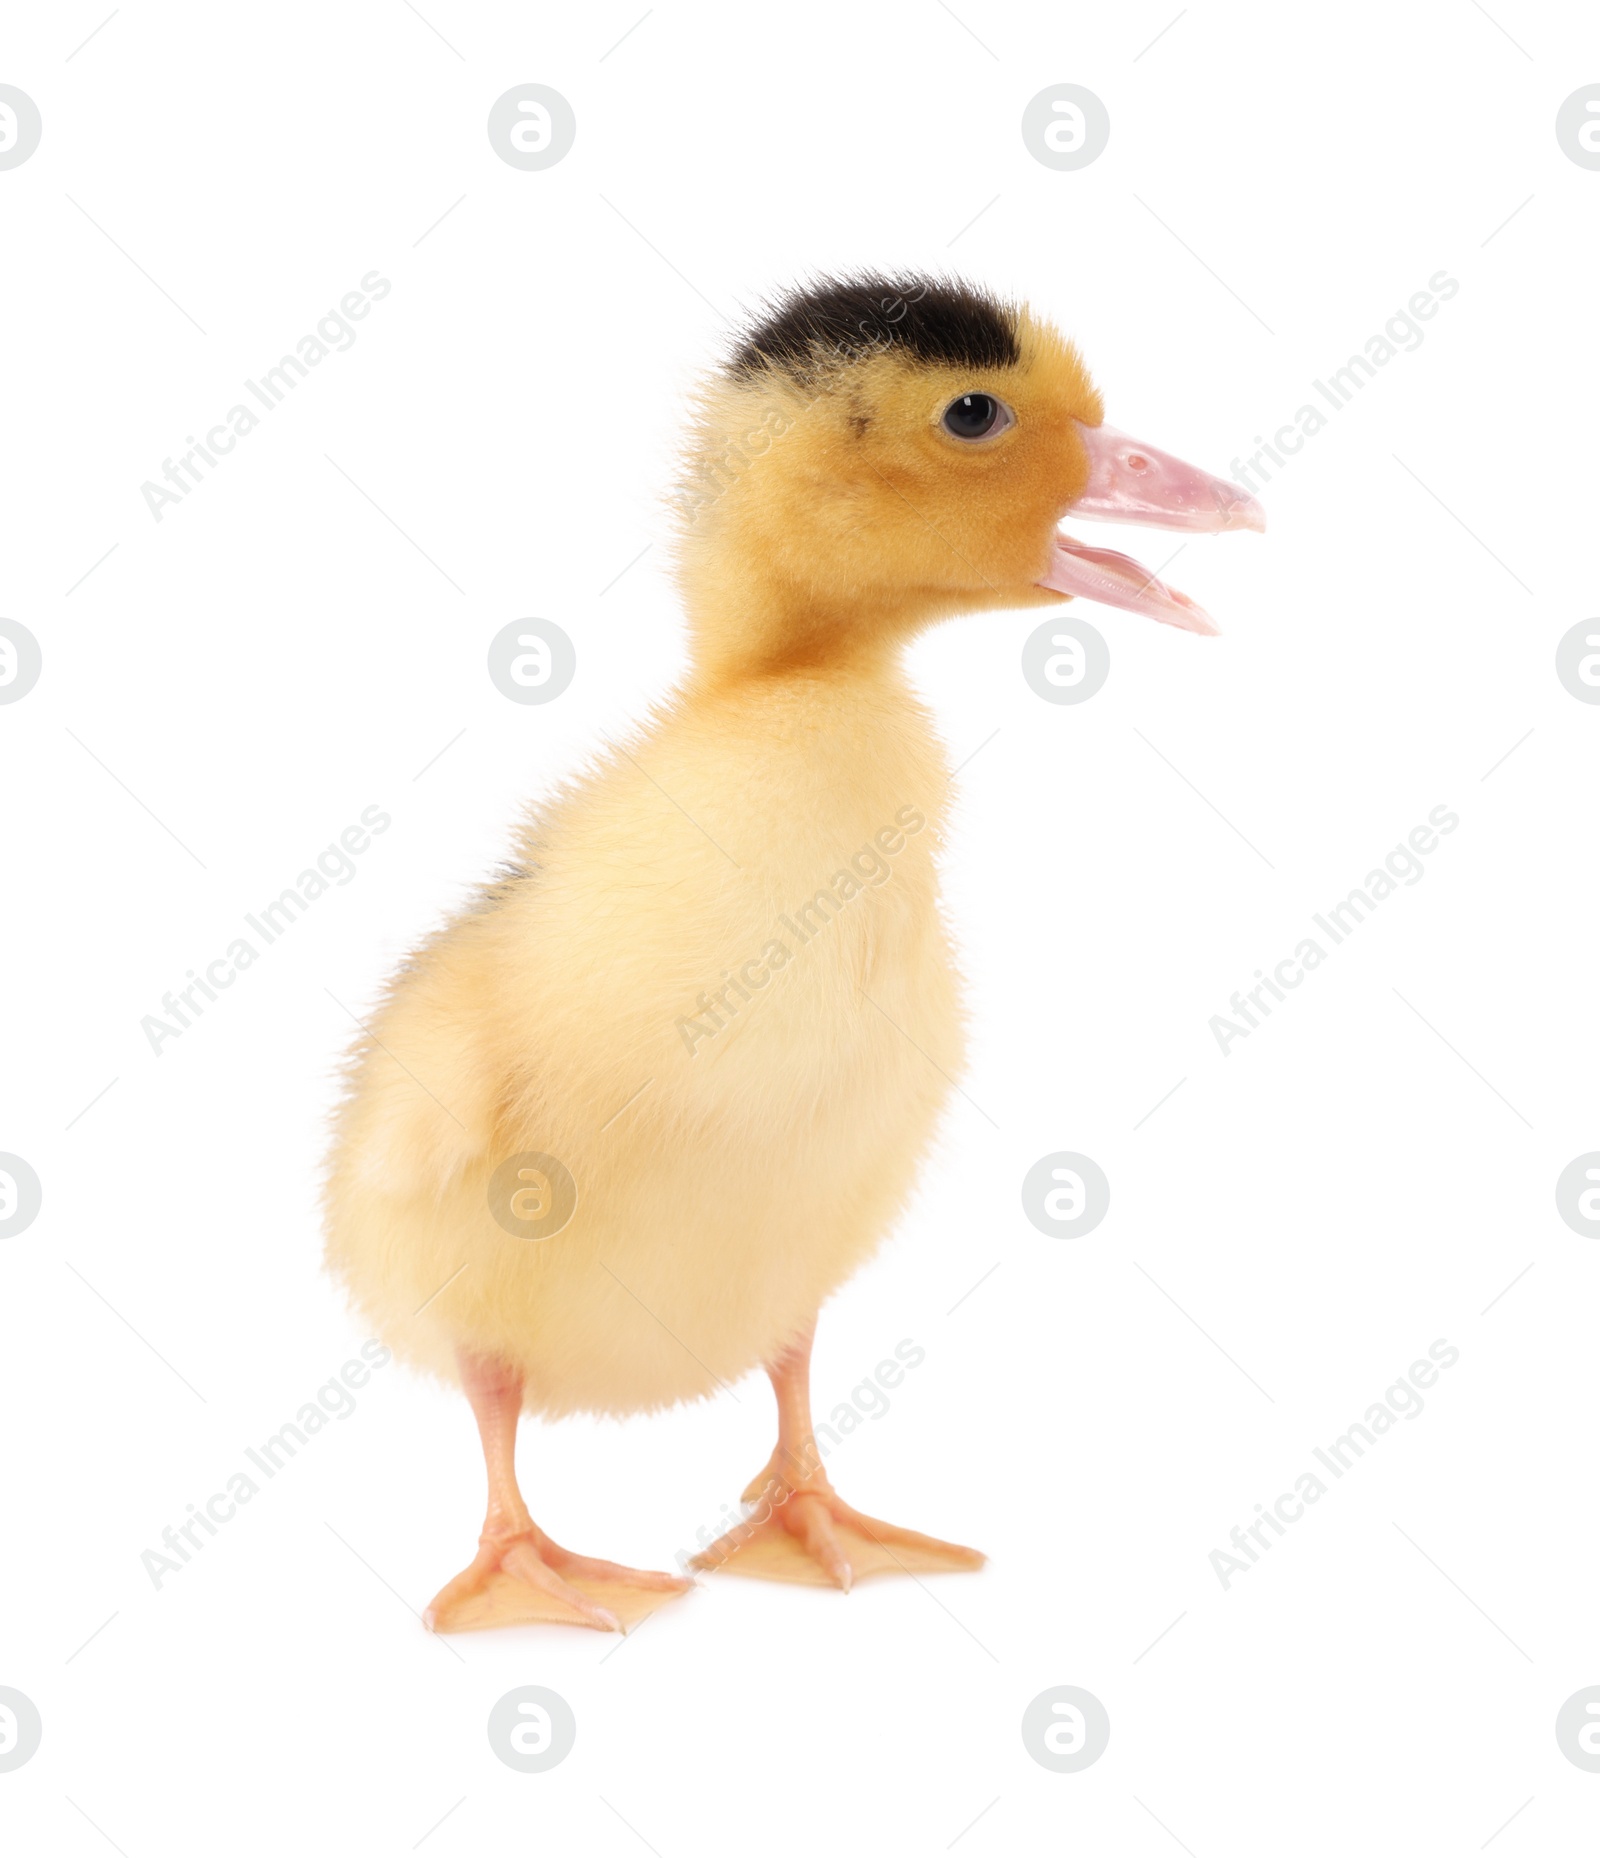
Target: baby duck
{"x":616,"y":1134}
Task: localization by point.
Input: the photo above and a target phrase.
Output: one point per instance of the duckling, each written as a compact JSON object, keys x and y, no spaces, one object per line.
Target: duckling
{"x":616,"y":1134}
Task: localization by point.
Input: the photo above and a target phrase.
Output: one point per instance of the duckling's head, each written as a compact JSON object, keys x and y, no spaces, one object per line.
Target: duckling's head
{"x":877,"y":453}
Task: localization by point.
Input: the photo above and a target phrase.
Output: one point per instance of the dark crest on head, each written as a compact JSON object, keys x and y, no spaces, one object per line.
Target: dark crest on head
{"x":934,"y":320}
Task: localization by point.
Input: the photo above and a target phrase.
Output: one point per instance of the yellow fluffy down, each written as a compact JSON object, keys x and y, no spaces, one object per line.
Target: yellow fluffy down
{"x":749,"y":1176}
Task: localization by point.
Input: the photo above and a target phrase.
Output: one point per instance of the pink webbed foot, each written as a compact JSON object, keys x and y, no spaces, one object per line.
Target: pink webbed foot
{"x":519,"y":1576}
{"x":802,"y":1530}
{"x":525,"y":1578}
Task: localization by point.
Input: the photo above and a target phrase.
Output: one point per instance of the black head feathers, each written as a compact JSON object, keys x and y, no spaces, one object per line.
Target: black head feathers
{"x":926,"y":319}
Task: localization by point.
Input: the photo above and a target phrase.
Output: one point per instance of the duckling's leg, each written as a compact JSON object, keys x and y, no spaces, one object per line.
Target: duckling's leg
{"x":801,"y":1529}
{"x":518,"y":1574}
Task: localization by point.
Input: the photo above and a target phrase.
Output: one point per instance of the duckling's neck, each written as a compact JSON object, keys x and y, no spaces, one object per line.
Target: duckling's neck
{"x":757,"y":631}
{"x":814,"y":723}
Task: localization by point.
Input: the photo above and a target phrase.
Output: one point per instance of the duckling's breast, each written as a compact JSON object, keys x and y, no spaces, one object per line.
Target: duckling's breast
{"x":727,"y":1006}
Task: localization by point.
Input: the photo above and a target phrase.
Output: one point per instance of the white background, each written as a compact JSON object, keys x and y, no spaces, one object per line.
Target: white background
{"x":1321,"y":1204}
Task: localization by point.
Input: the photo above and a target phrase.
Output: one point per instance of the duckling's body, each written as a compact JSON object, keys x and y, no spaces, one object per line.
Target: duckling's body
{"x":619,"y":1131}
{"x":728,"y":1180}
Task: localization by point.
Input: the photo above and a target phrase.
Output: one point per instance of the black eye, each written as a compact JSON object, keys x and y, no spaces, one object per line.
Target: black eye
{"x":976,"y":416}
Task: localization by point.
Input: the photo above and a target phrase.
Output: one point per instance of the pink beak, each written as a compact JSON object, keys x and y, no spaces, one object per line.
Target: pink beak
{"x":1134,"y":483}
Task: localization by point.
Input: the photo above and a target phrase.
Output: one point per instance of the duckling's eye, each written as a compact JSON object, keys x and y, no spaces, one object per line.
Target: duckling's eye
{"x":976,"y":416}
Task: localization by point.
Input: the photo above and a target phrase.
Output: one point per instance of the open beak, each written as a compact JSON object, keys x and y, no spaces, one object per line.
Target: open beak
{"x":1134,"y":483}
